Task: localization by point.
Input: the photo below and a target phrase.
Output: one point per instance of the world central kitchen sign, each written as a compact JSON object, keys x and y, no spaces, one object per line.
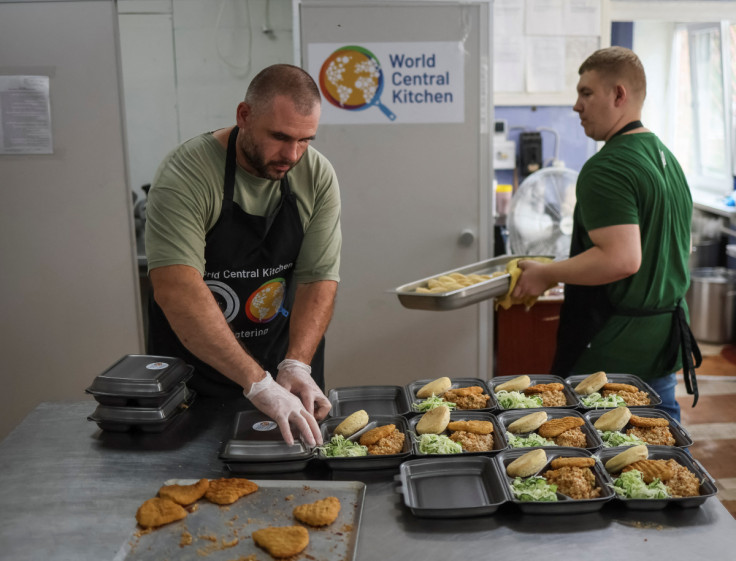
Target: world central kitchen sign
{"x":389,"y":82}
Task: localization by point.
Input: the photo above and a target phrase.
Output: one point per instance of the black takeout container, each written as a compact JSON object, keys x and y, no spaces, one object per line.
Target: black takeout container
{"x":593,"y":440}
{"x":140,"y":381}
{"x":572,"y":399}
{"x":499,"y":438}
{"x":630,"y":379}
{"x":375,"y":400}
{"x":414,"y":387}
{"x":682,"y":436}
{"x":470,"y":486}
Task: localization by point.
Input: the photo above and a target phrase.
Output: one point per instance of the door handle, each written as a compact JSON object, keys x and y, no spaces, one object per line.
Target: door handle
{"x":467,"y":238}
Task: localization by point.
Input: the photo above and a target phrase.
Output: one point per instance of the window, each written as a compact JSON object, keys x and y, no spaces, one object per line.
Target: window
{"x":701,"y":104}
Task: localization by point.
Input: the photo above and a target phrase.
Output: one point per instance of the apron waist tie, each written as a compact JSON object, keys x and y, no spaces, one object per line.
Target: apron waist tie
{"x":682,"y":339}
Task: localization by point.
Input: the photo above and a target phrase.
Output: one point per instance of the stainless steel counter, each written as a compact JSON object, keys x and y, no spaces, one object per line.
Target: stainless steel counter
{"x":70,"y":491}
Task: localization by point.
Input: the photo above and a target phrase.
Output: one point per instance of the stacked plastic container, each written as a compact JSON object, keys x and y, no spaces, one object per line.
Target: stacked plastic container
{"x":141,"y":392}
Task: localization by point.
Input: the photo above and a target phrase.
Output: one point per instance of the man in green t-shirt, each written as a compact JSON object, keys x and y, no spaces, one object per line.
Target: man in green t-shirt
{"x":243,"y":245}
{"x":627,"y":275}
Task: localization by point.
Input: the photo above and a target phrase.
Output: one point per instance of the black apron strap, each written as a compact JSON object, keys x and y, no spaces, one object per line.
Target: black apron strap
{"x":682,"y":340}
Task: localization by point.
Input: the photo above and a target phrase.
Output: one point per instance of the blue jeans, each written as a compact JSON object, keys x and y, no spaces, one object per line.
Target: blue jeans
{"x":665,"y":387}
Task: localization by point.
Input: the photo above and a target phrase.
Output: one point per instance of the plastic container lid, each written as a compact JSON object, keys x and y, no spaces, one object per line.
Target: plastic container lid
{"x":141,"y":415}
{"x":141,"y":376}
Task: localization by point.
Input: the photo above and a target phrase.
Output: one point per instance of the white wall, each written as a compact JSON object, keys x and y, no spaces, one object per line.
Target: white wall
{"x":68,"y":282}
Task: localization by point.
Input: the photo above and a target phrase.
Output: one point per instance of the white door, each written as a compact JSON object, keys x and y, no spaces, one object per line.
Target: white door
{"x":409,"y":193}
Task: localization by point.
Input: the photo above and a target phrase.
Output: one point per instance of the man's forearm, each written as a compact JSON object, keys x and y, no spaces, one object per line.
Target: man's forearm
{"x":199,"y":324}
{"x":310,"y":317}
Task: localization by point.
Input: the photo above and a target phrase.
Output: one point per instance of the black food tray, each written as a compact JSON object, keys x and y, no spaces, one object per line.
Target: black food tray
{"x":122,"y":419}
{"x":682,"y":437}
{"x":593,"y":440}
{"x":470,"y":486}
{"x":681,"y":456}
{"x":375,"y":400}
{"x":499,"y":438}
{"x":139,"y":380}
{"x":564,"y":504}
{"x":255,"y":445}
{"x":572,"y":398}
{"x":631,"y":379}
{"x":369,"y":462}
{"x":414,"y":387}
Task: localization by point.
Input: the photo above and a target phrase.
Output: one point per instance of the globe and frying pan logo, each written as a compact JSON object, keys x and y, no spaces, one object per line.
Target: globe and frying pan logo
{"x":263,"y":305}
{"x":351,"y":78}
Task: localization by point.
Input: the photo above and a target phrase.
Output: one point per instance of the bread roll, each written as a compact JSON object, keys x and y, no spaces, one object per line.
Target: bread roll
{"x":592,"y":383}
{"x":527,"y":423}
{"x":514,"y":385}
{"x":615,"y":419}
{"x":352,"y":423}
{"x":436,"y":387}
{"x":528,"y":464}
{"x":628,"y":456}
{"x":434,"y":421}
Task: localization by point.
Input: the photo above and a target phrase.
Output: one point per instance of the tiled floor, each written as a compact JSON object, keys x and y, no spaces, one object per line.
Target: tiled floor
{"x":712,"y":422}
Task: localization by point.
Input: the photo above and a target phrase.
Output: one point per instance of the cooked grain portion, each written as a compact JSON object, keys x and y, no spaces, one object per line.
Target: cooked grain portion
{"x":572,"y":437}
{"x":575,"y":482}
{"x":553,"y":399}
{"x":631,"y":398}
{"x":683,"y":483}
{"x":473,"y":442}
{"x":656,"y":436}
{"x":391,"y":444}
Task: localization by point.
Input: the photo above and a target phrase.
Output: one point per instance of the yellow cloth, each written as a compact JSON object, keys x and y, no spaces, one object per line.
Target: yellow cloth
{"x":512,"y":268}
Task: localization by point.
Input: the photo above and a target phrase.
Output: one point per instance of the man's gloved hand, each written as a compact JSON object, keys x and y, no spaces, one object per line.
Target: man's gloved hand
{"x":296,"y":377}
{"x":284,"y":408}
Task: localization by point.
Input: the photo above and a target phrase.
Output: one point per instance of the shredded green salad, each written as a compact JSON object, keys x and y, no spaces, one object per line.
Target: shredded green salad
{"x":612,"y":438}
{"x":517,"y":400}
{"x":438,"y":444}
{"x":531,"y":440}
{"x":534,"y":488}
{"x":341,"y":447}
{"x":630,"y":485}
{"x":597,"y":401}
{"x":432,"y":402}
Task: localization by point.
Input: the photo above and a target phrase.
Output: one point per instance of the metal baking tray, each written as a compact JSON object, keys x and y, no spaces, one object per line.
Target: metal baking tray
{"x":631,"y":379}
{"x":255,"y":445}
{"x":572,"y":399}
{"x":452,"y":300}
{"x":499,"y":438}
{"x":414,"y":387}
{"x":139,"y":380}
{"x":564,"y":504}
{"x":271,"y":505}
{"x":681,"y":456}
{"x":123,"y":419}
{"x":471,"y":486}
{"x":375,"y":400}
{"x":366,"y":462}
{"x":681,"y":435}
{"x":591,"y":435}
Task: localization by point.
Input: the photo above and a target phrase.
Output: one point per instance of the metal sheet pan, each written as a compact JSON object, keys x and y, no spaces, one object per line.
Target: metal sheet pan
{"x":499,"y":438}
{"x":471,"y":486}
{"x":497,"y":286}
{"x":414,"y":387}
{"x":272,"y":505}
{"x":375,"y":400}
{"x":681,"y":435}
{"x":572,"y":399}
{"x":591,"y":435}
{"x":630,"y":379}
{"x":681,"y":456}
{"x":564,"y":504}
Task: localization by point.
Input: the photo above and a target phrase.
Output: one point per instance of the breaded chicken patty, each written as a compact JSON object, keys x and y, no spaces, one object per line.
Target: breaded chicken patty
{"x":390,"y":444}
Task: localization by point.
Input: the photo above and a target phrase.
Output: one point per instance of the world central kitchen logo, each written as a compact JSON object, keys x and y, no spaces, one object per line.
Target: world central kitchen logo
{"x":353,"y":78}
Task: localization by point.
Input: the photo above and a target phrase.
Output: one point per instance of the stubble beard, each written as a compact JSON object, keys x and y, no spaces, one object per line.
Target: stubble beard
{"x":258,"y":163}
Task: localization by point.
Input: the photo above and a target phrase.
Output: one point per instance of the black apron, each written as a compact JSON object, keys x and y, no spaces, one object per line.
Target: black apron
{"x":249,"y":267}
{"x":586,"y":310}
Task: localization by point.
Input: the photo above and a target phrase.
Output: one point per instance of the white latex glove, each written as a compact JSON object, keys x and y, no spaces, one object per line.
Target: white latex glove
{"x":296,"y":377}
{"x":284,"y":408}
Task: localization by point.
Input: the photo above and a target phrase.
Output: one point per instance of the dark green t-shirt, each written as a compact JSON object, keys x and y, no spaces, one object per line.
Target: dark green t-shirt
{"x":635,"y":179}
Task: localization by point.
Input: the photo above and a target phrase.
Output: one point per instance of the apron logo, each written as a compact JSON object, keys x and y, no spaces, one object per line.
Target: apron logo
{"x":266,"y":302}
{"x":226,"y":298}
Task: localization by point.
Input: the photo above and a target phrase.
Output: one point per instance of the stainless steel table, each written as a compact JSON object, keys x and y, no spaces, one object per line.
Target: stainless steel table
{"x":70,"y":491}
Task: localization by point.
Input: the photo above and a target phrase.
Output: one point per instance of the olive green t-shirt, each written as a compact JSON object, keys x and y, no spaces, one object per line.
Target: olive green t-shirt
{"x":635,"y":179}
{"x":185,"y":200}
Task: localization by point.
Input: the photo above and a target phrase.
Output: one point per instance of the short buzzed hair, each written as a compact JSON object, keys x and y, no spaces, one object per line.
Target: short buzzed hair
{"x":286,"y":80}
{"x":618,"y":64}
